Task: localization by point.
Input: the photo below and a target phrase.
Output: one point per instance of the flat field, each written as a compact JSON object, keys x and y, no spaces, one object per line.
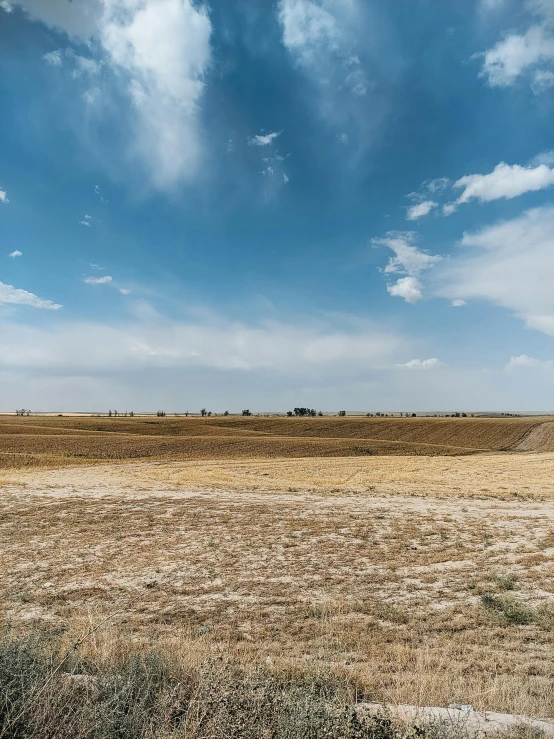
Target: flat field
{"x":424,"y":573}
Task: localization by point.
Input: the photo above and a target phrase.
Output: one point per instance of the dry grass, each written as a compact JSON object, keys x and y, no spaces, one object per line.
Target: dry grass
{"x":380,"y":570}
{"x":55,"y":442}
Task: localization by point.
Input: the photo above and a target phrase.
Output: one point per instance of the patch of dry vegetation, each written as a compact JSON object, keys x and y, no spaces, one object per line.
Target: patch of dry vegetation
{"x":54,"y":442}
{"x":413,"y":598}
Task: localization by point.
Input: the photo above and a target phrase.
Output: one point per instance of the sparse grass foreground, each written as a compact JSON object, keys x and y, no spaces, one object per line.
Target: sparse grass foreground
{"x":45,"y":694}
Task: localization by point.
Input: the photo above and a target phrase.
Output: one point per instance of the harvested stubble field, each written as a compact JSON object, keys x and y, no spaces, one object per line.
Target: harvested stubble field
{"x":422,"y":567}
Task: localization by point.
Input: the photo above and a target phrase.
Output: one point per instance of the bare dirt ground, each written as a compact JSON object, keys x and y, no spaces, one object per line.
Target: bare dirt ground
{"x":428,"y":579}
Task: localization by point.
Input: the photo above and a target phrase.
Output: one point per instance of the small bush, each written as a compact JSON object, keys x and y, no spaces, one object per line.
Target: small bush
{"x":506,"y":582}
{"x":510,"y":610}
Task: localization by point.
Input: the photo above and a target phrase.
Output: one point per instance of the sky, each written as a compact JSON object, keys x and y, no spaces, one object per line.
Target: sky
{"x":340,"y":204}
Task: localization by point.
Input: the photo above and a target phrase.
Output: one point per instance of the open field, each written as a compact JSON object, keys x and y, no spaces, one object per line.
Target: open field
{"x":426,"y":577}
{"x":54,"y":442}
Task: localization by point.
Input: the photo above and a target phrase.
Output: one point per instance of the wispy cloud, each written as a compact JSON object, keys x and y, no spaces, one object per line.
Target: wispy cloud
{"x":420,"y":209}
{"x":508,"y":263}
{"x":54,"y":58}
{"x":98,"y":280}
{"x":159,"y":51}
{"x":95,"y":266}
{"x":124,"y":291}
{"x":15,"y":254}
{"x":264,"y":139}
{"x":12,"y":295}
{"x":408,"y":260}
{"x":421,"y":363}
{"x":3,"y":196}
{"x":505,"y":181}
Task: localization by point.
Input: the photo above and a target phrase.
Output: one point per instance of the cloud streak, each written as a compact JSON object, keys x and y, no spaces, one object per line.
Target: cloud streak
{"x":10,"y":295}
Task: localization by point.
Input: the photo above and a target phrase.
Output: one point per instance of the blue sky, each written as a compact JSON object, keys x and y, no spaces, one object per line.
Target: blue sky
{"x":333,"y":203}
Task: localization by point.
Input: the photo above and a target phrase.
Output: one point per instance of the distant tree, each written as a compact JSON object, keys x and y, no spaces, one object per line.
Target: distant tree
{"x":320,"y":413}
{"x":413,"y":415}
{"x":342,"y":413}
{"x":203,"y":412}
{"x":246,"y":412}
{"x":464,"y":415}
{"x":110,"y":413}
{"x":115,"y":413}
{"x":226,"y":413}
{"x":305,"y":411}
{"x":132,"y":413}
{"x":289,"y":414}
{"x":209,"y":413}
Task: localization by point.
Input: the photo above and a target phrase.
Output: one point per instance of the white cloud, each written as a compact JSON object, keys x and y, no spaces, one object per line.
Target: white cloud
{"x":95,"y":266}
{"x":91,"y":96}
{"x":160,"y":51}
{"x":449,"y":208}
{"x":510,"y":264}
{"x":54,"y":58}
{"x":84,"y":66}
{"x":306,"y":25}
{"x":97,"y":280}
{"x":437,"y":185}
{"x":222,"y":345}
{"x":5,"y":5}
{"x":505,"y":181}
{"x":286,"y":178}
{"x":264,"y":139}
{"x":3,"y":196}
{"x":420,"y":209}
{"x":407,"y":259}
{"x":408,"y":288}
{"x":16,"y":253}
{"x":124,"y":291}
{"x":543,"y":79}
{"x":529,"y":53}
{"x":457,"y":303}
{"x":12,"y":295}
{"x":421,"y":363}
{"x":320,"y":35}
{"x":85,"y":223}
{"x":342,"y":138}
{"x":524,"y":361}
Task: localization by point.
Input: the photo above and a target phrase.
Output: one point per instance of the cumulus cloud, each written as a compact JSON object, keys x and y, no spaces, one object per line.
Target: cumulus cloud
{"x":342,"y":138}
{"x":409,"y":260}
{"x":85,"y":223}
{"x":160,"y":51}
{"x":264,"y":139}
{"x":421,"y":363}
{"x":124,"y":291}
{"x":420,"y":209}
{"x":97,"y":280}
{"x":510,"y":264}
{"x":458,"y":303}
{"x":15,"y":254}
{"x":530,"y":53}
{"x":12,"y":295}
{"x":524,"y":361}
{"x":3,"y":196}
{"x":408,"y":288}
